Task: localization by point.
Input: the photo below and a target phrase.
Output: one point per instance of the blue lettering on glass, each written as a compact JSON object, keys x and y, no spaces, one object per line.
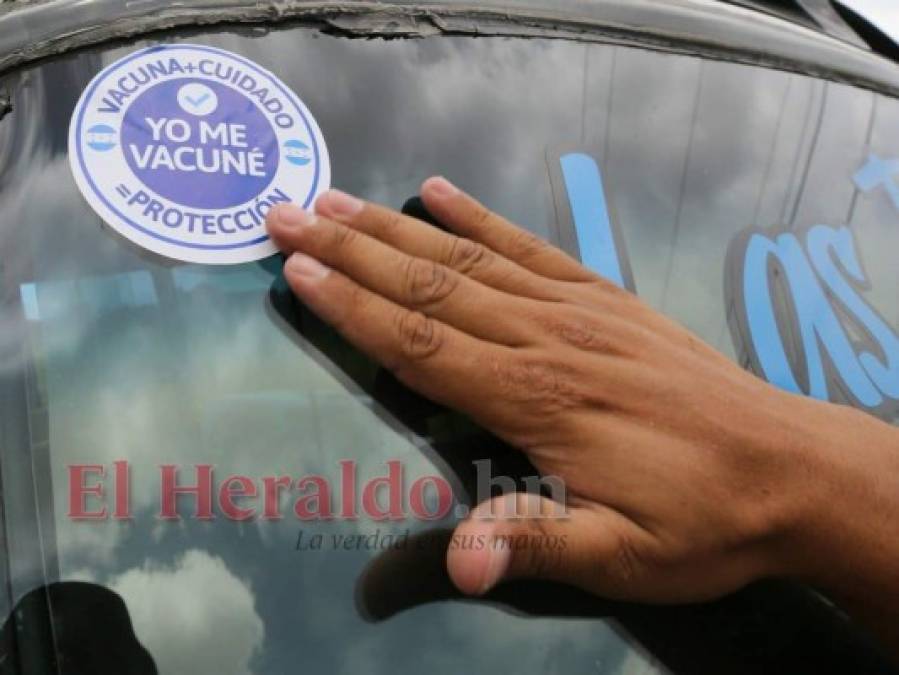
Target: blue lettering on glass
{"x":817,"y":322}
{"x":793,"y":304}
{"x":797,"y":312}
{"x":825,"y":243}
{"x":587,"y":197}
{"x":877,"y":173}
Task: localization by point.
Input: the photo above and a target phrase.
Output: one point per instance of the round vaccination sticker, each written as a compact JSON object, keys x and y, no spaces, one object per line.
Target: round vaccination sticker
{"x":183,"y":149}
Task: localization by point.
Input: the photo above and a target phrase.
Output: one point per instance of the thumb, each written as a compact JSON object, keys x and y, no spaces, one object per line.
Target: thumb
{"x":523,"y":535}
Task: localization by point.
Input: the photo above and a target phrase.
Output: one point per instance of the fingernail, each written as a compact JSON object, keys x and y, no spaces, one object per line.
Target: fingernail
{"x":292,"y":215}
{"x":301,"y":265}
{"x":497,"y":563}
{"x":340,"y":203}
{"x":441,"y":187}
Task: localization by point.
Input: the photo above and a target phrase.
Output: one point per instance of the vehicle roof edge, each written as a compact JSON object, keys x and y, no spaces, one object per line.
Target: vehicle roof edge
{"x":33,"y":31}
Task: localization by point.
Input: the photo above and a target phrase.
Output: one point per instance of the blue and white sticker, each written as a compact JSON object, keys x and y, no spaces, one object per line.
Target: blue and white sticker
{"x":183,"y":149}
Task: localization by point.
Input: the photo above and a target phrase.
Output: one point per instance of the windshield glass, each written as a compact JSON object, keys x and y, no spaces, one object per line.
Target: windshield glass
{"x":125,"y":361}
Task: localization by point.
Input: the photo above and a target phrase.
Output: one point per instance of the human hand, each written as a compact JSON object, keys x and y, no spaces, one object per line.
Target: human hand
{"x":686,"y":476}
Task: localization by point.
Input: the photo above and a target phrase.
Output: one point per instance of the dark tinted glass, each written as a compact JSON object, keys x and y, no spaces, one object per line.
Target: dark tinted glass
{"x":112,"y":354}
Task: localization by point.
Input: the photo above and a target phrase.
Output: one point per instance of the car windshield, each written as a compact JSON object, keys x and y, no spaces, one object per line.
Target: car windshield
{"x":113,"y":356}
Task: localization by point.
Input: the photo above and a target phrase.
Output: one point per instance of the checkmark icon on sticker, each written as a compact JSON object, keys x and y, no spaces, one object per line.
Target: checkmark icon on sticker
{"x":197,"y":102}
{"x":197,"y":99}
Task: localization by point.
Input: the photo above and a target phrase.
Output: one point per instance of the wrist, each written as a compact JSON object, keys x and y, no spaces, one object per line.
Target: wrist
{"x":844,"y":538}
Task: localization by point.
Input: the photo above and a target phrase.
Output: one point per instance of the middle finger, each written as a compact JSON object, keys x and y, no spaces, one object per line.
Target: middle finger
{"x":422,"y":240}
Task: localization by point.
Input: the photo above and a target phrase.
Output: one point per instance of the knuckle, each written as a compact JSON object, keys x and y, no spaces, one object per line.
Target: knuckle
{"x":525,"y":245}
{"x":390,"y":224}
{"x":343,"y":237}
{"x":625,"y":564}
{"x":420,"y":337}
{"x":355,"y":305}
{"x":612,"y":290}
{"x":480,"y":217}
{"x":542,"y":562}
{"x":580,"y":332}
{"x":427,"y":283}
{"x":526,"y":536}
{"x":543,"y":386}
{"x":466,"y":256}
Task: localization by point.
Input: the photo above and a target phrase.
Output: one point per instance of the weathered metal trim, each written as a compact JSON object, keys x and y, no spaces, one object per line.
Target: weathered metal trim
{"x":709,"y":29}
